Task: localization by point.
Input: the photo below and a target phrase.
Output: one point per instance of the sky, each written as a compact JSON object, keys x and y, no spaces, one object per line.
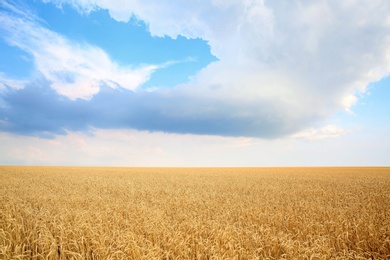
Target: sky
{"x":203,"y":83}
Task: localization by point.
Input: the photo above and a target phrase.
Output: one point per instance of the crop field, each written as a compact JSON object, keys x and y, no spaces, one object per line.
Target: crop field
{"x":194,"y":213}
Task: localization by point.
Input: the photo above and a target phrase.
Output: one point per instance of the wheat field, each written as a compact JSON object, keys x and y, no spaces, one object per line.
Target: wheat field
{"x":194,"y":213}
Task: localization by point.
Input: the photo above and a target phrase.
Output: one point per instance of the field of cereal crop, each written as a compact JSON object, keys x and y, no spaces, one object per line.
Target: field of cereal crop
{"x":194,"y":213}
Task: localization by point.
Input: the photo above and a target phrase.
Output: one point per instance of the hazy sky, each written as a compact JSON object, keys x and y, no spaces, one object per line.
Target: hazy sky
{"x":195,"y":83}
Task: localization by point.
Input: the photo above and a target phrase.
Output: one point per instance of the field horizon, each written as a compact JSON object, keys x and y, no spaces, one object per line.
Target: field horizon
{"x":95,"y":212}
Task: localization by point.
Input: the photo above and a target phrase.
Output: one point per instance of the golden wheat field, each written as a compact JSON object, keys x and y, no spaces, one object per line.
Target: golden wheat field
{"x":194,"y":213}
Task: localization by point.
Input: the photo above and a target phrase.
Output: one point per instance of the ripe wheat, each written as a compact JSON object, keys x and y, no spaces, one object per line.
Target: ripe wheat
{"x":214,"y":213}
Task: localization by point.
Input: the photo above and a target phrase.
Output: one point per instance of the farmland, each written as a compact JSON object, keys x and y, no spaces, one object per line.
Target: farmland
{"x":194,"y":213}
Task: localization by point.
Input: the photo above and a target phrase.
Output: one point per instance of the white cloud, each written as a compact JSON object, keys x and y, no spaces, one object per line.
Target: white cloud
{"x":75,"y":70}
{"x":325,"y":132}
{"x":307,"y":59}
{"x":6,"y":81}
{"x":348,"y":102}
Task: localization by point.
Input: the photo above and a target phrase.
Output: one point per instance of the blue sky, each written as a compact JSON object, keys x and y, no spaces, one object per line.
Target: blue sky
{"x":194,"y":83}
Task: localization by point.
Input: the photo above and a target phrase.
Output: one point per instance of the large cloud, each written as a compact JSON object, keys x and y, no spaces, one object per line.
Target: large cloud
{"x":283,"y":66}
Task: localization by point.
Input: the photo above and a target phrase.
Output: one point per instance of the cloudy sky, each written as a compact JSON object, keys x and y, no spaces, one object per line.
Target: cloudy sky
{"x":195,"y":83}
